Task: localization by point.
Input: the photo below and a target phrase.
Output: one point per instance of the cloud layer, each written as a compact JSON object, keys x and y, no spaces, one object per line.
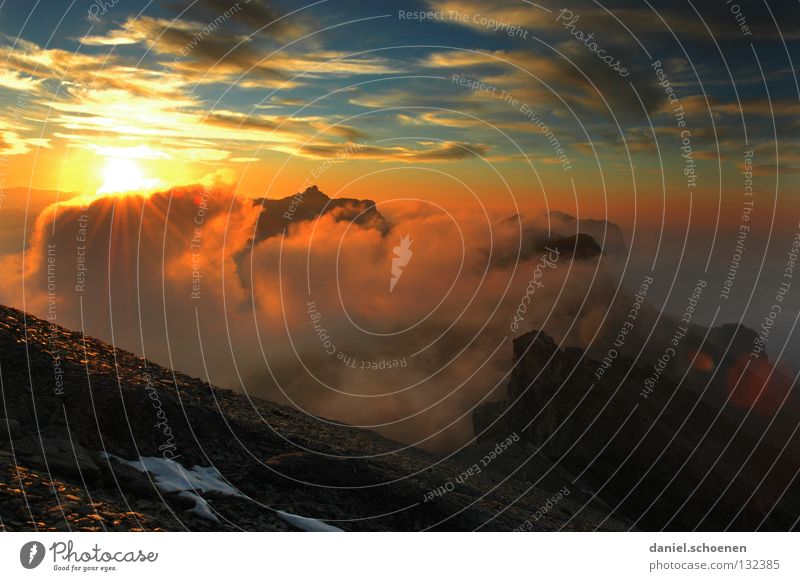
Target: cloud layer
{"x":308,"y":318}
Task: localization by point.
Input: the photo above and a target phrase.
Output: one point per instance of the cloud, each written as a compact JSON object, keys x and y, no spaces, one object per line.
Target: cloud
{"x":256,"y":15}
{"x":204,"y":53}
{"x":18,"y":82}
{"x":616,"y":19}
{"x":91,"y":100}
{"x":186,"y":286}
{"x":13,"y":143}
{"x":36,"y":66}
{"x":426,"y":151}
{"x":549,"y":80}
{"x":96,"y":119}
{"x":291,"y":125}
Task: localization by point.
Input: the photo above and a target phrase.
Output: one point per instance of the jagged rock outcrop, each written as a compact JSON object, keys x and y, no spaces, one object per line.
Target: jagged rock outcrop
{"x":534,"y":242}
{"x":655,"y":452}
{"x":278,"y":215}
{"x":607,"y":234}
{"x":578,"y":247}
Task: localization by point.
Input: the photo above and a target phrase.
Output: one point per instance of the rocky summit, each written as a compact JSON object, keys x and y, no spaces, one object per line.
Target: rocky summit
{"x":87,"y":432}
{"x":276,"y":216}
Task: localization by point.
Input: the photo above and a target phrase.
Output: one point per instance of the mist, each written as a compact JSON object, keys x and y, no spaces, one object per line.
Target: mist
{"x":308,"y":318}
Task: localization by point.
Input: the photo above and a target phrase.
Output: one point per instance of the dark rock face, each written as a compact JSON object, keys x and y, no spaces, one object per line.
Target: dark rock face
{"x":726,"y":366}
{"x":278,"y":215}
{"x":69,"y":400}
{"x":536,"y":242}
{"x":574,"y":239}
{"x":604,"y":234}
{"x":734,"y":374}
{"x":607,"y":234}
{"x":578,"y":247}
{"x":668,"y":460}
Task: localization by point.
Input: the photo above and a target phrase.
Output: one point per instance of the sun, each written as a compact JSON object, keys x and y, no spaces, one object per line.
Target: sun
{"x":122,"y":176}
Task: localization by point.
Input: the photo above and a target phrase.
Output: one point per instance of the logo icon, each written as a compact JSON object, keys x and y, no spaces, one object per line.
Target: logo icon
{"x":31,"y":554}
{"x":401,"y":259}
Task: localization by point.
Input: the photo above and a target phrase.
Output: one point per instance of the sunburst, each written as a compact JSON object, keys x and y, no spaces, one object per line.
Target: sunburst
{"x":123,"y":176}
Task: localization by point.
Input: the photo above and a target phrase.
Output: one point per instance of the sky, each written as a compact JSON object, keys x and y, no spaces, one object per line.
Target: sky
{"x":500,"y":100}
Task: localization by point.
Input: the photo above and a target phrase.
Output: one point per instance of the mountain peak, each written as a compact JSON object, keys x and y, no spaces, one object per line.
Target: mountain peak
{"x":277,"y":215}
{"x":314,"y":191}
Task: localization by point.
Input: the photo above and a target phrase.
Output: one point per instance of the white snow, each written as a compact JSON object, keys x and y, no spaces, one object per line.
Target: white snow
{"x":310,"y":525}
{"x":172,"y":476}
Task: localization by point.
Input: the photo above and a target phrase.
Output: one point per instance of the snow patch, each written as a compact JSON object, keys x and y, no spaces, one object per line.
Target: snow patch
{"x":310,"y":525}
{"x":172,"y":476}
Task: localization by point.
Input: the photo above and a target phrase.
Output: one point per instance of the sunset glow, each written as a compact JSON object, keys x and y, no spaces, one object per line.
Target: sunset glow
{"x":401,"y":265}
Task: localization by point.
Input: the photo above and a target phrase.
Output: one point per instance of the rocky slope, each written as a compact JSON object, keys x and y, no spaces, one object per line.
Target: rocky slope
{"x":70,"y":404}
{"x":655,"y":452}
